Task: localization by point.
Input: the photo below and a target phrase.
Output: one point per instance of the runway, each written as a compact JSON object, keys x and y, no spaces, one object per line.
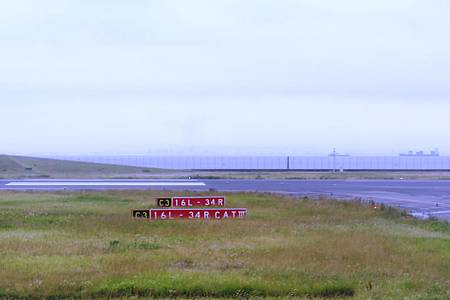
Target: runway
{"x":422,"y":198}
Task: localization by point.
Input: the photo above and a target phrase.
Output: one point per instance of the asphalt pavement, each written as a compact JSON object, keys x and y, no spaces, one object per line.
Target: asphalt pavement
{"x":422,"y":198}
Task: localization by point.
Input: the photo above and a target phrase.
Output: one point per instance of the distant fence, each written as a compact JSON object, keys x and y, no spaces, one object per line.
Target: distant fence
{"x":273,"y":162}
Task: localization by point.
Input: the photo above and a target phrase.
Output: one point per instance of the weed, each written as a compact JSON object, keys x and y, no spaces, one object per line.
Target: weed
{"x":85,"y":245}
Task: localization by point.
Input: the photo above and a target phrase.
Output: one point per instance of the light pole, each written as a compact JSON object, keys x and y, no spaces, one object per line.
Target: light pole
{"x":334,"y":160}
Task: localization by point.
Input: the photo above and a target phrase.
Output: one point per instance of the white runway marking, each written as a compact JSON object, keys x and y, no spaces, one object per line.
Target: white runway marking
{"x":99,"y":183}
{"x":439,"y":212}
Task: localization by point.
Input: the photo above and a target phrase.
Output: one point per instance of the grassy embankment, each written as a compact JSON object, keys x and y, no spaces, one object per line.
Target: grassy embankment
{"x":31,"y":167}
{"x":86,"y":245}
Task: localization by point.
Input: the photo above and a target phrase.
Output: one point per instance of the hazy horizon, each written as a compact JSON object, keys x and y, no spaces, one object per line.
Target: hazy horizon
{"x":224,"y":77}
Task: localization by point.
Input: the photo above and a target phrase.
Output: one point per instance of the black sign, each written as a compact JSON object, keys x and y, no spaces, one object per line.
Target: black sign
{"x":141,"y":213}
{"x":164,"y":202}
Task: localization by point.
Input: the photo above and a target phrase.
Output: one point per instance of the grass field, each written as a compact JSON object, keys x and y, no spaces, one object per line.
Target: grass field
{"x":323,"y":175}
{"x":70,"y":245}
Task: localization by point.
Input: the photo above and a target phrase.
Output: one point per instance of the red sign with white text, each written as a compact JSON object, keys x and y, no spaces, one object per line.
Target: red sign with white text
{"x":198,"y":213}
{"x":198,"y":201}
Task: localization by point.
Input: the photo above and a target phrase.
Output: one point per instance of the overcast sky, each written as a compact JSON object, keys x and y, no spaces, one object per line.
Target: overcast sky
{"x":224,"y":77}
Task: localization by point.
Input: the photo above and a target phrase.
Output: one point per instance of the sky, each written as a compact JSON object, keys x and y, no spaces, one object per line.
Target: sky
{"x":224,"y":77}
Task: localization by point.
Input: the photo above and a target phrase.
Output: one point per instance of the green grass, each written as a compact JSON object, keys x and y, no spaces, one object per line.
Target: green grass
{"x":85,"y":245}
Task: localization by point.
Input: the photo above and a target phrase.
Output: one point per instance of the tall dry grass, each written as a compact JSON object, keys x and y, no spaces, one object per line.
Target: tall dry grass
{"x":86,"y":245}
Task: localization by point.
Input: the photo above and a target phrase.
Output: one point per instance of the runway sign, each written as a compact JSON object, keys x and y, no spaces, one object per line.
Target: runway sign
{"x":198,"y":213}
{"x":141,"y":213}
{"x":202,"y":201}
